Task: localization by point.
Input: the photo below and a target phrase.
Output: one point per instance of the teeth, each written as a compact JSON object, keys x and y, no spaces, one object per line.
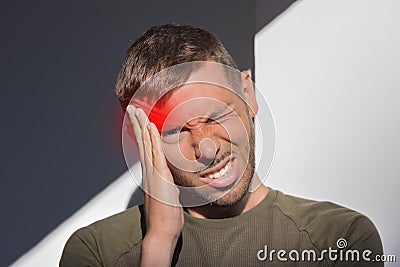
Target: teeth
{"x":222,"y":172}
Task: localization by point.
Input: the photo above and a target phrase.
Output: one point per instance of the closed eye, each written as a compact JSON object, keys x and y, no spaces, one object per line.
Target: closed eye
{"x":170,"y":132}
{"x":220,"y":118}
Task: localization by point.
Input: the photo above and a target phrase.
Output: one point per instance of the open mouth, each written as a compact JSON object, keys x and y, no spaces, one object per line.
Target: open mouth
{"x":223,"y":174}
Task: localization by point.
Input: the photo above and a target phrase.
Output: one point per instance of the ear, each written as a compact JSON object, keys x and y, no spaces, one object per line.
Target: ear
{"x":249,"y":93}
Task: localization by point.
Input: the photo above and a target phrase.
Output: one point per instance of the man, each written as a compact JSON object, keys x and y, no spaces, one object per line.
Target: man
{"x":191,"y":112}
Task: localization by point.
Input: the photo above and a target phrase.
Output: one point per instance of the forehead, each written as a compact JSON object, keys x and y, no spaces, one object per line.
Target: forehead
{"x":209,"y":81}
{"x":197,"y":100}
{"x":197,"y":93}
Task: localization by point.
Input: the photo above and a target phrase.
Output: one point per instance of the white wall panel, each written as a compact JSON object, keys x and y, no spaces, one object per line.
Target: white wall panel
{"x":330,"y":71}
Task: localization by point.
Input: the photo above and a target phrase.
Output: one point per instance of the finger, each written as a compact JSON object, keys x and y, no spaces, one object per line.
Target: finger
{"x":147,"y":146}
{"x":138,"y":133}
{"x":167,"y":190}
{"x":159,"y":161}
{"x":134,"y":116}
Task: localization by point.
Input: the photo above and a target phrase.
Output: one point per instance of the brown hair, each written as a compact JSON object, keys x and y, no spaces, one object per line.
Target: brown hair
{"x":162,"y":47}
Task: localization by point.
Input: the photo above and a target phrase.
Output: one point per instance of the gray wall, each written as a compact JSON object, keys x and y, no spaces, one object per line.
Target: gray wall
{"x":60,"y":138}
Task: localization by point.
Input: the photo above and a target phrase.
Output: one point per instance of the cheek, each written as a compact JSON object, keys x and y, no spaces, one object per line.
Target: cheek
{"x":235,"y":131}
{"x":181,"y":152}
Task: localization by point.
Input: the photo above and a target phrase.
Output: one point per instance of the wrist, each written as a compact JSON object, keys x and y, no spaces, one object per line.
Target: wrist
{"x":160,"y":239}
{"x":157,"y":250}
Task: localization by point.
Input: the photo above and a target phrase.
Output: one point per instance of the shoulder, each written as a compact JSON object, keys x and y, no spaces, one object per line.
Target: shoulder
{"x":103,"y":242}
{"x":326,"y":223}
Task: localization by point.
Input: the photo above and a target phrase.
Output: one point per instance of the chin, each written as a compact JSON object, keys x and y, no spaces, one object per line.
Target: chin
{"x":234,"y":195}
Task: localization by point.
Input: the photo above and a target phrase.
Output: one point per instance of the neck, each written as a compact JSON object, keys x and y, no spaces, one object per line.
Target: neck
{"x":249,"y":201}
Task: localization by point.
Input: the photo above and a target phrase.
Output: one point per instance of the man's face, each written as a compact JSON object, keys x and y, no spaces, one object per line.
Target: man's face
{"x":208,"y":140}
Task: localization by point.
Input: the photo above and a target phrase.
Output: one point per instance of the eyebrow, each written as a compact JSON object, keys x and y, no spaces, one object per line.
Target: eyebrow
{"x":219,"y":111}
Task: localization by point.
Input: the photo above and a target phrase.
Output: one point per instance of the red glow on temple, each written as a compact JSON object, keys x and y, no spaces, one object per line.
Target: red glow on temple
{"x":158,"y":116}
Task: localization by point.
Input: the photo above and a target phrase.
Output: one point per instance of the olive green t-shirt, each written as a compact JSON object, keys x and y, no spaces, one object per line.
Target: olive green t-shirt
{"x":281,"y":230}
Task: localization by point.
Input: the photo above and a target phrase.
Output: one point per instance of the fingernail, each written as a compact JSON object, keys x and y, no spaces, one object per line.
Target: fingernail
{"x":137,"y":112}
{"x":129,"y":109}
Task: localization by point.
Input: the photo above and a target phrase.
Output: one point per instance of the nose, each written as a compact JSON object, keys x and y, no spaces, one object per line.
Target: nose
{"x":206,"y":150}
